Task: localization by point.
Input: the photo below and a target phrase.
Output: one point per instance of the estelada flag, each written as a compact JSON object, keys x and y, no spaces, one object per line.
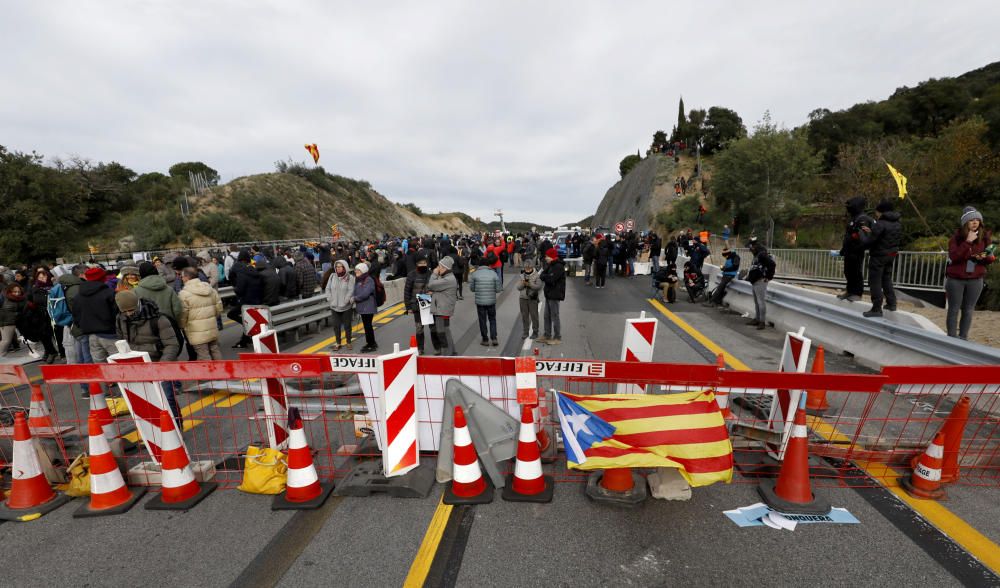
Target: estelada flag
{"x":900,"y":180}
{"x":314,"y":151}
{"x":685,"y":431}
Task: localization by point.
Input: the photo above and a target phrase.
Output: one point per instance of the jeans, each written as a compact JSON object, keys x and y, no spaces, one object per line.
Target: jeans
{"x":655,"y":261}
{"x":552,"y":319}
{"x":880,"y":281}
{"x":487,"y":314}
{"x":499,"y":271}
{"x":962,"y":296}
{"x":168,"y":392}
{"x":760,"y":300}
{"x":83,"y":349}
{"x":101,"y":348}
{"x":529,"y":317}
{"x":442,"y":324}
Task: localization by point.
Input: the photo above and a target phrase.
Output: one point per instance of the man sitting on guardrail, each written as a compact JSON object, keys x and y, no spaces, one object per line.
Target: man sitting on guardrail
{"x":729,"y":271}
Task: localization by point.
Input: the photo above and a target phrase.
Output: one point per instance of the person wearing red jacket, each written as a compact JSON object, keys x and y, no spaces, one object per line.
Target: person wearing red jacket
{"x":498,"y":248}
{"x":969,"y":252}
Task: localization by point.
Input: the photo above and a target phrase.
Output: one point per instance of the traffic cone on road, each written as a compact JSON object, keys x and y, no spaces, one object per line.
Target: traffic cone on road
{"x":108,"y":493}
{"x":180,"y":490}
{"x":99,"y":408}
{"x":303,"y":490}
{"x":468,"y":485}
{"x":792,"y":492}
{"x":38,"y":412}
{"x":926,"y":479}
{"x":953,"y":429}
{"x":30,"y":496}
{"x":816,"y":402}
{"x":527,"y":483}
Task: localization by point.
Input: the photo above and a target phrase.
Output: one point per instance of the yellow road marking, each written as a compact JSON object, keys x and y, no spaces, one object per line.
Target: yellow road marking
{"x":393,"y":311}
{"x":971,"y":540}
{"x":428,"y":547}
{"x":232,"y":401}
{"x":32,"y":379}
{"x":186,"y":411}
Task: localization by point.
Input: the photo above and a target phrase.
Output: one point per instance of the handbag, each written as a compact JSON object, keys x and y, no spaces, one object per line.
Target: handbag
{"x":265,"y":471}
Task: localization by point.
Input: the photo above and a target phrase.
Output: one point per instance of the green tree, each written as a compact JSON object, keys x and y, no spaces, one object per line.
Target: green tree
{"x":628,"y":163}
{"x":659,"y":139}
{"x":196,"y":167}
{"x":763,"y":178}
{"x":681,"y":121}
{"x":722,"y":125}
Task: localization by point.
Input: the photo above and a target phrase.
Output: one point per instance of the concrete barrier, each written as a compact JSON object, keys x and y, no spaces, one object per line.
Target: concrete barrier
{"x":393,"y":291}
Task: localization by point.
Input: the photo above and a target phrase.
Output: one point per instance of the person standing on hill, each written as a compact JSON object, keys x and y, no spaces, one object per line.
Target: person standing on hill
{"x":882,"y":241}
{"x":969,"y":254}
{"x":853,"y":249}
{"x":554,"y":278}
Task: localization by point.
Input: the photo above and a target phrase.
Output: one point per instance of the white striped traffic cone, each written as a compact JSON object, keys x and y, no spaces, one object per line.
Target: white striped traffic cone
{"x":38,"y":412}
{"x":179,"y":489}
{"x":108,"y":493}
{"x":303,"y":490}
{"x":99,"y":407}
{"x":30,"y":496}
{"x":926,"y":479}
{"x":792,"y":491}
{"x":527,"y":483}
{"x":468,"y":485}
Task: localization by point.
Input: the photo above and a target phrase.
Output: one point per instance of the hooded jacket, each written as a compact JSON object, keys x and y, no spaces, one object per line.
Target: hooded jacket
{"x":270,"y":284}
{"x":339,"y":290}
{"x":416,"y":283}
{"x":885,"y":236}
{"x":246,"y":283}
{"x":286,"y":278}
{"x":160,"y":342}
{"x":444,"y":294}
{"x":200,"y":306}
{"x":853,"y":244}
{"x":94,"y":309}
{"x":554,"y":278}
{"x":156,"y":289}
{"x":364,"y":294}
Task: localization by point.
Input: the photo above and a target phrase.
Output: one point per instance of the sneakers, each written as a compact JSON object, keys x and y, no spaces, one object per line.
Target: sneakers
{"x":753,"y":322}
{"x":554,"y":341}
{"x":542,"y":339}
{"x":872,"y":313}
{"x":484,"y":343}
{"x":495,"y":343}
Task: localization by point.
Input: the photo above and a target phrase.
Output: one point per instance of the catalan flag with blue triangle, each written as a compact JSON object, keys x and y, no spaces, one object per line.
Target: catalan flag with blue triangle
{"x":685,"y":431}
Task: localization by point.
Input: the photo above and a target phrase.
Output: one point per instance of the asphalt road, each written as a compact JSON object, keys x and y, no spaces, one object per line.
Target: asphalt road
{"x":235,"y":539}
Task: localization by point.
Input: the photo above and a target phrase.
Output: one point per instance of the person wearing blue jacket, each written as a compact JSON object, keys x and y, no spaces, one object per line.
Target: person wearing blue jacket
{"x":364,"y":303}
{"x":730,"y":269}
{"x":486,"y":284}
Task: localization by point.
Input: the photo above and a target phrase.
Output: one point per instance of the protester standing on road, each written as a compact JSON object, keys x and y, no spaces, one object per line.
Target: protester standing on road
{"x":529,"y":287}
{"x":969,"y":253}
{"x":882,"y":241}
{"x":13,"y":305}
{"x":761,"y":272}
{"x":444,"y":295}
{"x":853,"y":249}
{"x":589,"y":253}
{"x":416,"y":283}
{"x":141,"y":324}
{"x":200,"y":309}
{"x":601,"y":262}
{"x":249,"y":291}
{"x":486,"y":285}
{"x":339,"y":289}
{"x":94,"y":312}
{"x":554,"y":278}
{"x":364,"y":300}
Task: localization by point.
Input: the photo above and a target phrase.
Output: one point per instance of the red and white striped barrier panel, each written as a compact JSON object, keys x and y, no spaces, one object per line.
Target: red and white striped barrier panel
{"x":255,"y":319}
{"x":145,"y":401}
{"x":794,"y":358}
{"x":274,"y":395}
{"x":397,"y":378}
{"x":637,"y":345}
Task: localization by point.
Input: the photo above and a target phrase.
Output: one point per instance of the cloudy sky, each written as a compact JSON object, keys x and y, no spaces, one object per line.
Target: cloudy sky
{"x":527,"y":106}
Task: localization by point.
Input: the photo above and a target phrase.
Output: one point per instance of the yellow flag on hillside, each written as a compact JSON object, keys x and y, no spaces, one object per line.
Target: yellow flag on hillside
{"x":900,"y":180}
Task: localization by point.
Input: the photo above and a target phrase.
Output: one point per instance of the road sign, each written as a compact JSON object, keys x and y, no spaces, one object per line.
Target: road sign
{"x":619,"y":227}
{"x":629,"y":224}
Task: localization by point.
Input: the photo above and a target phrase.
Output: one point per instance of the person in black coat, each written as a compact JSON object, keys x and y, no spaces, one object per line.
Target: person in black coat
{"x":554,"y":278}
{"x":416,"y":283}
{"x":601,"y":262}
{"x":589,"y":253}
{"x":249,"y":289}
{"x":853,"y":249}
{"x":671,"y":253}
{"x":882,"y":240}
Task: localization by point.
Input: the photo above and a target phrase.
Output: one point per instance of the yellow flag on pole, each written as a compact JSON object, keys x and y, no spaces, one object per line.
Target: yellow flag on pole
{"x":900,"y":180}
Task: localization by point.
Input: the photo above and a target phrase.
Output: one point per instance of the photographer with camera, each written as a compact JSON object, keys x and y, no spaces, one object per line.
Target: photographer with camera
{"x":529,"y":287}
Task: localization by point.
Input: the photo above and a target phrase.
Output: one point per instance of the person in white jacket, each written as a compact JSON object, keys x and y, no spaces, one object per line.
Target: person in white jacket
{"x":339,"y":290}
{"x":201,"y":307}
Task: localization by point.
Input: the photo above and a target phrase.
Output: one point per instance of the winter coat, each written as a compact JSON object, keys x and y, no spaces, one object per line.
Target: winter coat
{"x":286,"y":278}
{"x":589,"y":253}
{"x":554,"y":278}
{"x":94,"y":308}
{"x":339,"y":290}
{"x":885,"y":236}
{"x":71,"y":285}
{"x":763,"y":266}
{"x":732,"y":265}
{"x":529,"y":290}
{"x":246,"y":283}
{"x":12,"y":307}
{"x":962,"y":264}
{"x":603,"y":252}
{"x":270,"y":284}
{"x":200,"y":306}
{"x":169,"y":276}
{"x":444,"y":294}
{"x":141,"y":336}
{"x":486,"y":284}
{"x":166,"y":300}
{"x":416,"y":283}
{"x":364,"y":294}
{"x":671,"y":256}
{"x":853,"y":245}
{"x":305,"y":276}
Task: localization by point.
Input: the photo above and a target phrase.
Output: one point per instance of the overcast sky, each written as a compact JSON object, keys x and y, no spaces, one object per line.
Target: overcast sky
{"x":528,"y":106}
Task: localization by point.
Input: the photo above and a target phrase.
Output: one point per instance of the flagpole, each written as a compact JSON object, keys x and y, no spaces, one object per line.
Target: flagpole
{"x":912,"y":205}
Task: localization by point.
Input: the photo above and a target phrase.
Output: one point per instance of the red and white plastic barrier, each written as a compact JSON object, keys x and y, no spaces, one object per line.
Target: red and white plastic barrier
{"x":256,"y":318}
{"x":794,"y":358}
{"x":145,"y":401}
{"x":274,"y":394}
{"x":397,"y":378}
{"x":637,"y":345}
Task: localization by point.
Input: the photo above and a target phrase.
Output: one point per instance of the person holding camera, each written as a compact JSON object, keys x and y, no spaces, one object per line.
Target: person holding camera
{"x":529,"y":287}
{"x":969,"y":253}
{"x":554,"y":278}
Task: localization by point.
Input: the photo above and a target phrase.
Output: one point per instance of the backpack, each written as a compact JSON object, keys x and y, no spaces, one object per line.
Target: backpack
{"x":57,"y":306}
{"x":379,"y":293}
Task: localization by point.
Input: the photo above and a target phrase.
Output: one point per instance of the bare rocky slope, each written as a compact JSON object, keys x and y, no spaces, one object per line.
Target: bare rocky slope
{"x":640,"y":195}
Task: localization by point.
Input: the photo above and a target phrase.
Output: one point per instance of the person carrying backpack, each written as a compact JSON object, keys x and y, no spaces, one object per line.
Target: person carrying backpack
{"x":761,"y":272}
{"x":141,"y":324}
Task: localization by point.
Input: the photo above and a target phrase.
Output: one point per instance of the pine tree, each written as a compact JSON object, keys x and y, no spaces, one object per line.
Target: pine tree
{"x":681,"y":121}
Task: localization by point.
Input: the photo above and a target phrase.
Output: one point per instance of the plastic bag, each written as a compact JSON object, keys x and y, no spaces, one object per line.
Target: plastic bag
{"x":265,"y":471}
{"x":79,"y":477}
{"x":117,"y":406}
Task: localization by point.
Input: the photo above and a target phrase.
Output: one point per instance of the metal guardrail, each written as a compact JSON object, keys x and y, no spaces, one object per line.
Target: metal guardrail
{"x":295,"y":314}
{"x":913,"y":269}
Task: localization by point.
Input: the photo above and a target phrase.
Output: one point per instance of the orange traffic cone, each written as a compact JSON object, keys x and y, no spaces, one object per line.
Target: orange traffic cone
{"x":30,"y":496}
{"x":108,"y":493}
{"x":468,"y":485}
{"x":953,"y":429}
{"x":926,"y":479}
{"x":180,"y":491}
{"x":527,"y":483}
{"x":38,"y":412}
{"x":816,"y":403}
{"x":99,"y":408}
{"x":792,"y":492}
{"x":303,"y":490}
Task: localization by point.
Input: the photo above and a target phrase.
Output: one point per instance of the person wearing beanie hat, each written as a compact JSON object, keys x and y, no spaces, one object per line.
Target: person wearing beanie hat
{"x":146,"y":269}
{"x":554,"y":278}
{"x":443,"y":287}
{"x":127,"y":301}
{"x":970,"y":252}
{"x":128,"y":278}
{"x":416,"y":284}
{"x":882,"y":240}
{"x":141,"y":324}
{"x":853,"y":250}
{"x":529,"y":287}
{"x":95,"y":274}
{"x":94,"y":312}
{"x":364,"y":301}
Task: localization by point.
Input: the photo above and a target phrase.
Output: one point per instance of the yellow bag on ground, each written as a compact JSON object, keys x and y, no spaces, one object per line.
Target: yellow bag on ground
{"x":117,"y":406}
{"x":79,"y":477}
{"x":264,"y":472}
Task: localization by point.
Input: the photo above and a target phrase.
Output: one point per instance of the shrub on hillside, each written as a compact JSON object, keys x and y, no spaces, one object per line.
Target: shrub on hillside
{"x":413,"y":208}
{"x":272,"y":226}
{"x":251,"y":205}
{"x":222,"y":228}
